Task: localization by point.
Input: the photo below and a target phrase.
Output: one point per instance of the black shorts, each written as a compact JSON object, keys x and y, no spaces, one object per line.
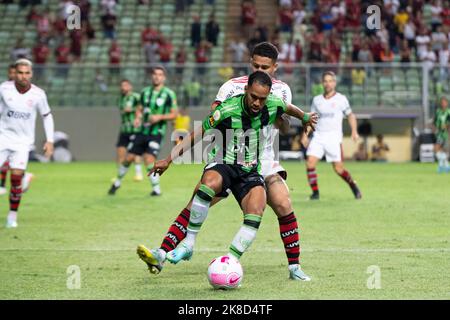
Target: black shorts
{"x":123,"y":140}
{"x":140,"y":144}
{"x":238,"y":181}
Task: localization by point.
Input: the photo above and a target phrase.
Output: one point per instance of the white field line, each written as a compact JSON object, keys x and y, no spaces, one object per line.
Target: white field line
{"x":259,"y":250}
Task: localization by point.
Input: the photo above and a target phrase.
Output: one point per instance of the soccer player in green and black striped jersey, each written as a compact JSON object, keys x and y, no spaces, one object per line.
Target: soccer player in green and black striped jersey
{"x":442,"y":125}
{"x":238,"y":122}
{"x":158,"y":104}
{"x":128,"y":103}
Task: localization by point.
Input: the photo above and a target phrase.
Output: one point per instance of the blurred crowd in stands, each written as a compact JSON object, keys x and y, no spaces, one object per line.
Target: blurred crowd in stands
{"x":314,"y":30}
{"x":67,"y":45}
{"x":306,"y":31}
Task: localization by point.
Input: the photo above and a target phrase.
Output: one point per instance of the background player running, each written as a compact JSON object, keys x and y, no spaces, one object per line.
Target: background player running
{"x":158,"y":105}
{"x":327,"y":138}
{"x":4,"y":168}
{"x":128,"y":104}
{"x":19,"y":102}
{"x":236,"y":163}
{"x":442,"y":126}
{"x":264,"y":58}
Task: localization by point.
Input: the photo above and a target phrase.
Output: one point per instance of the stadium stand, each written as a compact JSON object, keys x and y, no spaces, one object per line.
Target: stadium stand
{"x":322,"y":31}
{"x":83,"y":77}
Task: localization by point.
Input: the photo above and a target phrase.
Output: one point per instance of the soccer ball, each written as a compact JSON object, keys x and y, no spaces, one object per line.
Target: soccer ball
{"x":225,"y":272}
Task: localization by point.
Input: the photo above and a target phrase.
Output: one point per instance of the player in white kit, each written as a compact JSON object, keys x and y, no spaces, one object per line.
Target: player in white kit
{"x":4,"y":168}
{"x":264,"y":58}
{"x":327,"y":138}
{"x":19,"y":102}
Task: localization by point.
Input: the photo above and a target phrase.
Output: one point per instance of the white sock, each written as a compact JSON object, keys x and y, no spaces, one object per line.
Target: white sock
{"x":441,"y":157}
{"x":122,"y":171}
{"x":154,"y":179}
{"x":444,"y":160}
{"x":245,"y":236}
{"x":12,"y":216}
{"x":138,"y":169}
{"x":199,"y":212}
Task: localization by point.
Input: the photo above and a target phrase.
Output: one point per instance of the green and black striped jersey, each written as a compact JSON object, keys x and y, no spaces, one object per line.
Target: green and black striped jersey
{"x":240,"y":133}
{"x":153,"y":103}
{"x":129,"y":101}
{"x":442,"y":119}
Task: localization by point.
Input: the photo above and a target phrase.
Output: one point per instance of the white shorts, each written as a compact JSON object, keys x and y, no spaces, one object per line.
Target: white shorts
{"x":269,"y":167}
{"x":18,"y":159}
{"x":328,"y":145}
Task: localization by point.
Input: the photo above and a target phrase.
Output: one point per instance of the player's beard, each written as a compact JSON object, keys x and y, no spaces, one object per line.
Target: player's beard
{"x":23,"y":85}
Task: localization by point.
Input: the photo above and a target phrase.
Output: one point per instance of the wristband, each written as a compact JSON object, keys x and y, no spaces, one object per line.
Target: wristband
{"x":306,"y":117}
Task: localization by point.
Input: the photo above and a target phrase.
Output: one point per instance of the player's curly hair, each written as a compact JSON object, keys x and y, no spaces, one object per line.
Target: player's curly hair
{"x":266,"y":49}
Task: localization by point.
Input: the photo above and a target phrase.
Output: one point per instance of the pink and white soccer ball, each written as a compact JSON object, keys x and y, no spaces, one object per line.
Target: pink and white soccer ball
{"x":225,"y":273}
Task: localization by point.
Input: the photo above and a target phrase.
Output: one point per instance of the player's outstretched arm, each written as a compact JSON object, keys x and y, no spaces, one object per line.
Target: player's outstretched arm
{"x":162,"y":165}
{"x":307,"y":118}
{"x":309,"y":121}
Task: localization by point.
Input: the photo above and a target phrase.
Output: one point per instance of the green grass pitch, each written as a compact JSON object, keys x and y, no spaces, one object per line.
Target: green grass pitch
{"x":401,"y":226}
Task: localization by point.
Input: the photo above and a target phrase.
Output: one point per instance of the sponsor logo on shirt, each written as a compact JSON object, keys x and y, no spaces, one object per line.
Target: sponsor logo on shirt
{"x":326,"y":115}
{"x":18,"y":115}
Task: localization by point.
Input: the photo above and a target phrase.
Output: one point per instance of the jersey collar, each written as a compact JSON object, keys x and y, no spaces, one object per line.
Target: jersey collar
{"x":22,"y":90}
{"x":329,"y":97}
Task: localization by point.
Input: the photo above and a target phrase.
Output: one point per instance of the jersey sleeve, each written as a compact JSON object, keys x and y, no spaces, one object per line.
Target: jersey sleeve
{"x":173,"y":100}
{"x":279,"y":105}
{"x":43,"y":106}
{"x":137,"y":100}
{"x":281,"y":108}
{"x":213,"y":119}
{"x":313,"y":106}
{"x":346,"y":106}
{"x":288,"y":99}
{"x":144,"y":97}
{"x":226,"y":91}
{"x":1,"y":103}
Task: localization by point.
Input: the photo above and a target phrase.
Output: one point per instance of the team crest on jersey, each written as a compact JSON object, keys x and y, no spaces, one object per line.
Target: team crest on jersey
{"x":159,"y":102}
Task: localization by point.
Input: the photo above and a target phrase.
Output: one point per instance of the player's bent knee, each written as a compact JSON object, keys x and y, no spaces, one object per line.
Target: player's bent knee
{"x":212,"y":180}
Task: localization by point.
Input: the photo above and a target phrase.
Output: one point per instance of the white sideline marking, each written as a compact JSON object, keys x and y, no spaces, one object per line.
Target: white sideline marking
{"x":271,"y":250}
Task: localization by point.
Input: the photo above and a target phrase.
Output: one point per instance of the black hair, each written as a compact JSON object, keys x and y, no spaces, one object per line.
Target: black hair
{"x":261,"y":77}
{"x":266,"y":49}
{"x":125,"y":80}
{"x":12,"y":66}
